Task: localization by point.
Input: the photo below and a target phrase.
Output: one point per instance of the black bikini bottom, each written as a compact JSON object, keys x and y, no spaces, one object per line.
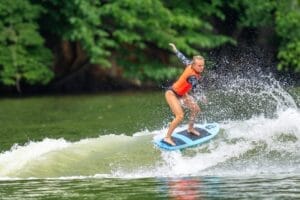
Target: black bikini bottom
{"x":177,"y":95}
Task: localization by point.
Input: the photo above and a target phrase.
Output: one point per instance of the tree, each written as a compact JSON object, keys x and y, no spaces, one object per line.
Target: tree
{"x":285,"y":17}
{"x":145,"y":29}
{"x":23,"y":56}
{"x":288,"y":29}
{"x":133,"y":32}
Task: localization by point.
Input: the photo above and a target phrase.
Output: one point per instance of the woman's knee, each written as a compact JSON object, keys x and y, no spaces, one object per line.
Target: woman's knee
{"x":179,"y":116}
{"x":195,"y":109}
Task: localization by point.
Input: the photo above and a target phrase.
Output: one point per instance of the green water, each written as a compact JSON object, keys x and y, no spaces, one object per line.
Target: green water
{"x":111,"y":164}
{"x":281,"y":187}
{"x":78,"y":117}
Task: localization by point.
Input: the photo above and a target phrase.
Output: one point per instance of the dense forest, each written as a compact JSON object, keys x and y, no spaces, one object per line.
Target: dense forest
{"x":88,"y":45}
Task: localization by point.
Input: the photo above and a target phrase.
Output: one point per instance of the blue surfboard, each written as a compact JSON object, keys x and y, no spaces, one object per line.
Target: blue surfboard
{"x":183,"y":139}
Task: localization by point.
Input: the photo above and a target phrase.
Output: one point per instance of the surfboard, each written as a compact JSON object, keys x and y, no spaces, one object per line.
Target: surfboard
{"x":183,"y":139}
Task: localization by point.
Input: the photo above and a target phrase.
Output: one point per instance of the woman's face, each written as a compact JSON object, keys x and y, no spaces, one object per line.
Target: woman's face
{"x":198,"y":65}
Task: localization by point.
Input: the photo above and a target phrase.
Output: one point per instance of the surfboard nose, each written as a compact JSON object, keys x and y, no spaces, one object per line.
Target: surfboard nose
{"x":212,"y":126}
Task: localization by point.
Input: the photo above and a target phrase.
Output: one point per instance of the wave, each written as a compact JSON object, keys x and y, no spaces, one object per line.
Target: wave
{"x":256,"y":145}
{"x":260,"y":132}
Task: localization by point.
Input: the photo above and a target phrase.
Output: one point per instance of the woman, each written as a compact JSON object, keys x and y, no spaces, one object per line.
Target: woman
{"x":179,"y":92}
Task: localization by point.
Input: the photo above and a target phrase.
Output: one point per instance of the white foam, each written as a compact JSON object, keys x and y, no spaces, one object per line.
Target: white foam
{"x":260,"y":128}
{"x":247,"y":135}
{"x":236,"y":139}
{"x":15,"y":159}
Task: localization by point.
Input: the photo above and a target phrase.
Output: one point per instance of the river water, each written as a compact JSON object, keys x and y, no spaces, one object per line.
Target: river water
{"x":255,"y":156}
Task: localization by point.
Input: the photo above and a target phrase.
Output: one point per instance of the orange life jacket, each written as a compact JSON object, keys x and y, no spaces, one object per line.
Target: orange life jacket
{"x":182,"y":86}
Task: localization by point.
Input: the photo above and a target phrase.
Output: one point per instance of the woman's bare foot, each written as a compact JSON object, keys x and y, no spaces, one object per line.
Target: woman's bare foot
{"x":194,"y":131}
{"x":169,"y":141}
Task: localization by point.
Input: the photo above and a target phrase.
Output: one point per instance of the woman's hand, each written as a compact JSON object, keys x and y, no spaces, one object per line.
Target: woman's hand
{"x":173,"y":47}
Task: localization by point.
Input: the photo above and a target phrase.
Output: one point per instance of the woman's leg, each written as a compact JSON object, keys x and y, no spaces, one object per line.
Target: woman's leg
{"x":176,"y":108}
{"x":190,"y":103}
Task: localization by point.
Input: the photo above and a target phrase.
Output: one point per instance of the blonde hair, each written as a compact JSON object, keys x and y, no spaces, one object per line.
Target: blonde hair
{"x":198,"y":57}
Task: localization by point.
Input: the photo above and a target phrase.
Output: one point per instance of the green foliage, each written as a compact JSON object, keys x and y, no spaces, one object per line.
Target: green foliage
{"x":255,"y":13}
{"x":284,"y":16}
{"x":103,"y":27}
{"x":22,"y":54}
{"x":80,"y":21}
{"x":136,"y":33}
{"x":142,"y":25}
{"x":289,"y":55}
{"x":153,"y":21}
{"x":288,"y":29}
{"x":152,"y":72}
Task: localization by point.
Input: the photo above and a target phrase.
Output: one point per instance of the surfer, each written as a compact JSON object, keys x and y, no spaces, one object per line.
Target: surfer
{"x":178,"y":93}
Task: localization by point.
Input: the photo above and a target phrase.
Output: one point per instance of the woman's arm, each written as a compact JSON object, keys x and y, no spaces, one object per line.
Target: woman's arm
{"x":182,"y":58}
{"x":180,"y":55}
